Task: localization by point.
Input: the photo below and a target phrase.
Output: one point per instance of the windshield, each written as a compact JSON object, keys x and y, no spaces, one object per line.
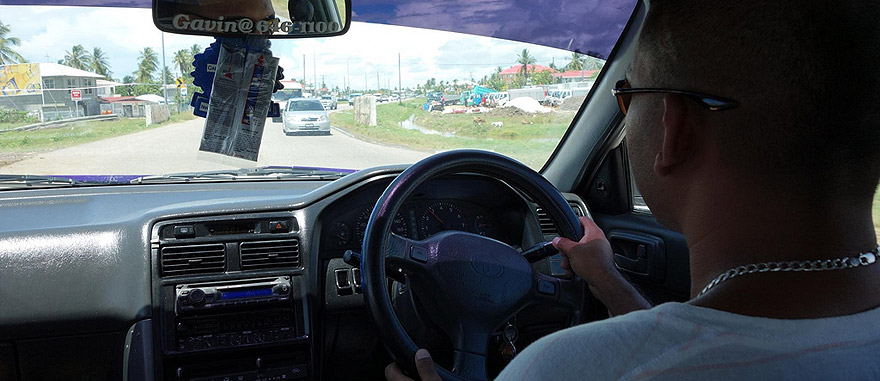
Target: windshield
{"x":304,"y":106}
{"x":117,"y":100}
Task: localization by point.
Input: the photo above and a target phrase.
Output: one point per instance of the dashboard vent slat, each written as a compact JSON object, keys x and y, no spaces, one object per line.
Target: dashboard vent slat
{"x":193,"y":259}
{"x":547,"y":225}
{"x":270,"y":254}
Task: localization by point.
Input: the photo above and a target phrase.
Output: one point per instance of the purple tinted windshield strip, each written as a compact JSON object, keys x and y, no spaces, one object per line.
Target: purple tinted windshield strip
{"x":588,"y":27}
{"x":100,"y":178}
{"x":86,"y":3}
{"x":128,"y":178}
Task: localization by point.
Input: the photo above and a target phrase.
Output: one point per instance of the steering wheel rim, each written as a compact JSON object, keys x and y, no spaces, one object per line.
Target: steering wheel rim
{"x":377,"y":234}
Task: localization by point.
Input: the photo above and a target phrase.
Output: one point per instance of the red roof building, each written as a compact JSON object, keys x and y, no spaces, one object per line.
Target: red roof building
{"x":575,"y":75}
{"x":510,"y":73}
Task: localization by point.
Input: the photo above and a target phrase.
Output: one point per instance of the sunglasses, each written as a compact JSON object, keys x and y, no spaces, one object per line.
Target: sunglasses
{"x":624,"y":92}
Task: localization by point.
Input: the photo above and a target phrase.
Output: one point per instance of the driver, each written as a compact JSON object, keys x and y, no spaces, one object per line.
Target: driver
{"x":780,"y":178}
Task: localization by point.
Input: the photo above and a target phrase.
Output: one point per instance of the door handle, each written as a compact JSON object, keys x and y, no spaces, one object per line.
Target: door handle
{"x":639,"y":254}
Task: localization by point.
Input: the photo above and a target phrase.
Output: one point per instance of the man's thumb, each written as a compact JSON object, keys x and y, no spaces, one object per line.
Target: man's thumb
{"x":563,"y":244}
{"x":425,"y":366}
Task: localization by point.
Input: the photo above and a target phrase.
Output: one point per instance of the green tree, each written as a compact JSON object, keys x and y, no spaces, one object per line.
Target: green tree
{"x":77,"y":57}
{"x":544,"y":77}
{"x":183,"y":61}
{"x":577,"y":62}
{"x":525,"y":59}
{"x":8,"y":55}
{"x":169,"y":77}
{"x":195,"y":49}
{"x":128,"y":89}
{"x":430,"y":85}
{"x":148,"y":64}
{"x":99,"y":63}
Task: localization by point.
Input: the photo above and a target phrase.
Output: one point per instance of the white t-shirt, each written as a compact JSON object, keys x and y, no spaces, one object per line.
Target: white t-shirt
{"x":679,"y":341}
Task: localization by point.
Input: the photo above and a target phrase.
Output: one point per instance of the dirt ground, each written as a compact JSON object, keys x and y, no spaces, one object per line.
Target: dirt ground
{"x":573,"y":103}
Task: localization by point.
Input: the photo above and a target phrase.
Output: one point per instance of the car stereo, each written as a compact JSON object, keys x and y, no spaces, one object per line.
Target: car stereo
{"x":217,"y":296}
{"x":233,"y":313}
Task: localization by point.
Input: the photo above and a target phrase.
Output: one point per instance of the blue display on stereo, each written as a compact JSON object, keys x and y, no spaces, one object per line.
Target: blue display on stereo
{"x":246,"y":293}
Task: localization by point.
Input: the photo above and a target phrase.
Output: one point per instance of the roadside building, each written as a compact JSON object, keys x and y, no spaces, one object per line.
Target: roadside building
{"x":509,"y":74}
{"x":128,"y":107}
{"x":45,"y":89}
{"x":576,"y":75}
{"x":106,"y":88}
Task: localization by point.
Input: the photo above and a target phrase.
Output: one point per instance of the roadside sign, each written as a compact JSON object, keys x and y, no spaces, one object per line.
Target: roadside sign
{"x":75,"y":95}
{"x":179,"y":82}
{"x":182,"y":91}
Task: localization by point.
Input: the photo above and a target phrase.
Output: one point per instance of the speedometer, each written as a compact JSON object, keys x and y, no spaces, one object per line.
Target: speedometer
{"x":439,"y":217}
{"x":398,"y":225}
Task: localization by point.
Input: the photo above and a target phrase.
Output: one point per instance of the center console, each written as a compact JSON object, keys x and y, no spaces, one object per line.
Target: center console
{"x":231,"y":300}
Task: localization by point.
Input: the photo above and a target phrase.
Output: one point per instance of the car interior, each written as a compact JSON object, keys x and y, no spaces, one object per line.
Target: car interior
{"x":272,"y":280}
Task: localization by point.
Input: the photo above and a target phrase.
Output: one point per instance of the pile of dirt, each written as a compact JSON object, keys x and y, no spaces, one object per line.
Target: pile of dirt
{"x":502,"y":112}
{"x":572,"y":104}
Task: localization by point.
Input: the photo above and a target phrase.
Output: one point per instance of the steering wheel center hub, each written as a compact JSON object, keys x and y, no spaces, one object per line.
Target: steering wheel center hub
{"x":487,"y":267}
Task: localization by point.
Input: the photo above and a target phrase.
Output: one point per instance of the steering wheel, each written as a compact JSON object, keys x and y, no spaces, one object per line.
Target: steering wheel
{"x":472,"y":284}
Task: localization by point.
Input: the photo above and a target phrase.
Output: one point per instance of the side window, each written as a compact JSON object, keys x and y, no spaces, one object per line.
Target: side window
{"x":50,"y":83}
{"x":876,"y":212}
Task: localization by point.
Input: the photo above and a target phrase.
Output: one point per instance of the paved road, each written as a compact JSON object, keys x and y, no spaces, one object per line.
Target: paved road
{"x":174,"y":148}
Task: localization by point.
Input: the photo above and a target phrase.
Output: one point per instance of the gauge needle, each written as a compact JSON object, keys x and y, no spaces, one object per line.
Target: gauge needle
{"x":435,"y":216}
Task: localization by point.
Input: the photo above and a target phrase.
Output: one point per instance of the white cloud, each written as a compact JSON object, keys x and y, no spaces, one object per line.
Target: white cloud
{"x":367,"y":49}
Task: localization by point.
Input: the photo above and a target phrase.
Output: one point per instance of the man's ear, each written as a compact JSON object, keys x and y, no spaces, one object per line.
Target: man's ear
{"x":678,"y":135}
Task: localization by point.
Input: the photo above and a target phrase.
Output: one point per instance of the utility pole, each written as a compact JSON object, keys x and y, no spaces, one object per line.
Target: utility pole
{"x":304,"y":73}
{"x":347,"y":76}
{"x":315,"y":71}
{"x":399,"y":86}
{"x":164,"y":88}
{"x":378,"y":84}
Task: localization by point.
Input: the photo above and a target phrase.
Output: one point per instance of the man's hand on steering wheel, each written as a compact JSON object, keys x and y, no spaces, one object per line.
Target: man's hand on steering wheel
{"x":424,"y":365}
{"x":592,"y":259}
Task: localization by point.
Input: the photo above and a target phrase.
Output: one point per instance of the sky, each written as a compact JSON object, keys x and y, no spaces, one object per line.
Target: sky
{"x":365,"y":51}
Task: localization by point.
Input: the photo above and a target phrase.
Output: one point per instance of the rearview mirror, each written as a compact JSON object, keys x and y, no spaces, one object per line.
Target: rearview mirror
{"x":239,"y":18}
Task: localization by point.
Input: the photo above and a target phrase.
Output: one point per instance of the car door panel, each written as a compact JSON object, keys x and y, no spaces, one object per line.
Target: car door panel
{"x":651,"y":255}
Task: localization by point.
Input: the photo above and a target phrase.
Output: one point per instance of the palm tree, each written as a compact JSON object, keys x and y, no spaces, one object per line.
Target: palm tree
{"x":77,"y":57}
{"x":7,"y":54}
{"x":525,"y":59}
{"x":99,"y":63}
{"x":193,"y":50}
{"x":577,"y":62}
{"x":183,"y":61}
{"x":169,"y":77}
{"x":148,"y":64}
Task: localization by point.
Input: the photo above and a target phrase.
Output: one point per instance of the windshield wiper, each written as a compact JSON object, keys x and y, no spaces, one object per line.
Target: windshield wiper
{"x":26,"y":181}
{"x":246,"y":174}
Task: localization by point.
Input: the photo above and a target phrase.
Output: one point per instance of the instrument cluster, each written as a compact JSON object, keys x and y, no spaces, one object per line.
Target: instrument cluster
{"x":419,"y":220}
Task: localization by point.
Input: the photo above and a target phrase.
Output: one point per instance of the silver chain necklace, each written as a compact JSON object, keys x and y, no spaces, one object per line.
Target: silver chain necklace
{"x":863,"y":259}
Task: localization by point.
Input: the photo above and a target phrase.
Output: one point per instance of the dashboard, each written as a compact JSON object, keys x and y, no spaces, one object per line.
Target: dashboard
{"x":220,"y":280}
{"x":466,"y":203}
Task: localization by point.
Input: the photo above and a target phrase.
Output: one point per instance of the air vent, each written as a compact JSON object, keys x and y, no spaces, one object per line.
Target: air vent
{"x":270,"y":254}
{"x":193,"y":259}
{"x":547,"y":225}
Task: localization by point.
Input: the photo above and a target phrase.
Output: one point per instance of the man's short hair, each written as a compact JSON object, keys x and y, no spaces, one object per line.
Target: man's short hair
{"x":806,"y":76}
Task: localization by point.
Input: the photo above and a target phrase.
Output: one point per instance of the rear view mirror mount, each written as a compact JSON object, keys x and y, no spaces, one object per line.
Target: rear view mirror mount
{"x":243,"y":18}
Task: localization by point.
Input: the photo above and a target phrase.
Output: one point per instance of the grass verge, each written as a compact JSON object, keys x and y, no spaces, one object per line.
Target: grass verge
{"x":77,"y":133}
{"x":9,"y":126}
{"x":528,"y":138}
